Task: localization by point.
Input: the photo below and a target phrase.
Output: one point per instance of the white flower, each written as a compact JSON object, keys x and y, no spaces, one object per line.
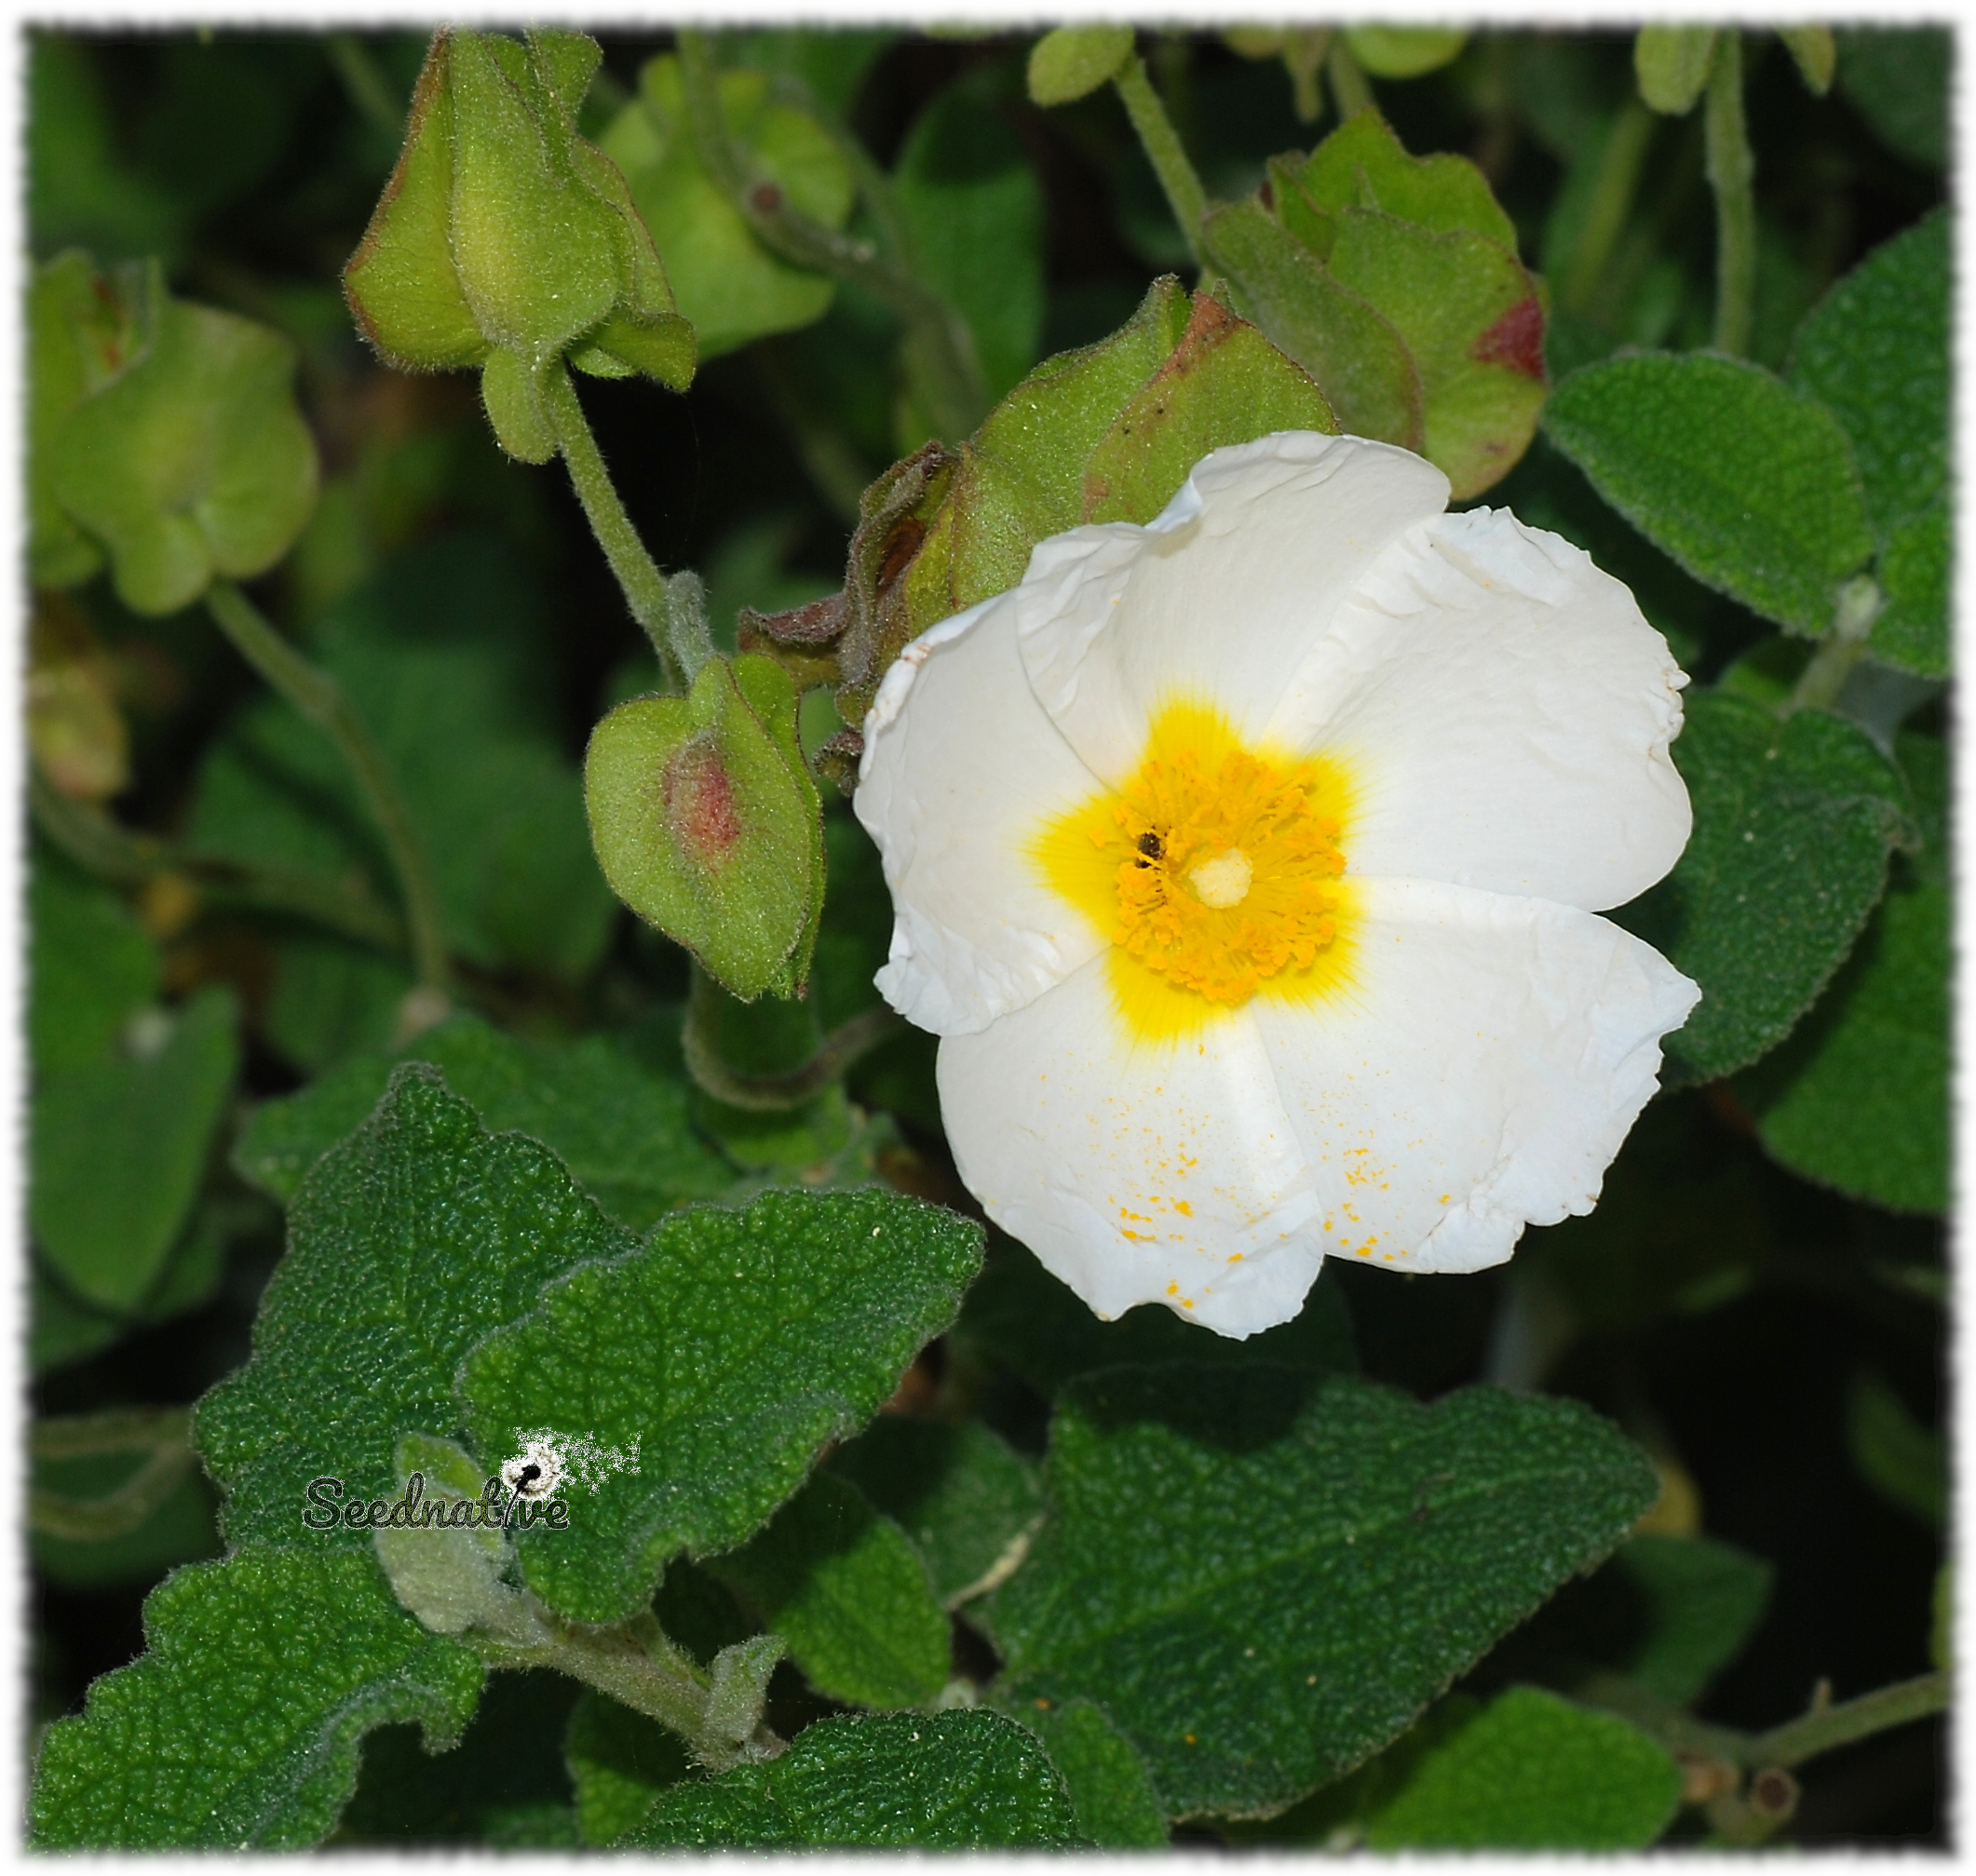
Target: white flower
{"x":1246,"y":865}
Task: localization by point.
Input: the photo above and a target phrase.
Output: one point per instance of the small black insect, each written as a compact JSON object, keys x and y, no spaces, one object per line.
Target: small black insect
{"x":1152,"y":846}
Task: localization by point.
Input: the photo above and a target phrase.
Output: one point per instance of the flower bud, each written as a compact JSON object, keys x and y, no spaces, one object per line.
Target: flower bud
{"x":163,"y":433}
{"x":75,"y":729}
{"x":1074,"y":60}
{"x":502,"y":232}
{"x":707,"y":824}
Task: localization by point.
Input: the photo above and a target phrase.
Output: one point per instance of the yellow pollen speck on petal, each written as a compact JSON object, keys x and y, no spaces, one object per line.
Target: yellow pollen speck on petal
{"x":1216,"y":869}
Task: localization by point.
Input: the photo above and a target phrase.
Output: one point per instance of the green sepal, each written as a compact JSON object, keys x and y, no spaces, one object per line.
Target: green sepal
{"x":1074,"y":60}
{"x":1281,"y":284}
{"x":1394,"y":281}
{"x":511,"y":395}
{"x":1670,"y":64}
{"x":400,"y":283}
{"x":502,"y":228}
{"x":707,"y":825}
{"x":189,"y":462}
{"x":1223,"y":383}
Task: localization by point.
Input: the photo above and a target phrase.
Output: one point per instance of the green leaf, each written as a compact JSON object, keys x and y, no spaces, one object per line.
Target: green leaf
{"x":1792,"y":823}
{"x":971,"y":197}
{"x":92,"y":966}
{"x":1912,"y":633}
{"x":723,"y":1355}
{"x":613,"y":1108}
{"x":442,"y":656}
{"x":406,"y":1246}
{"x":1671,"y":64}
{"x":331,"y":998}
{"x":1261,"y":1577}
{"x":619,"y":1762}
{"x":1074,"y":60}
{"x":1750,"y":485}
{"x":1224,"y":383}
{"x":1703,"y":1600}
{"x":119,"y":1146}
{"x":1899,"y":80}
{"x":1022,"y":1317}
{"x":1877,"y":350}
{"x":1815,"y":54}
{"x":65,"y":1328}
{"x":968,"y":1502}
{"x":1858,"y":1096}
{"x":194,"y":461}
{"x":931,"y":1781}
{"x":729,"y":285}
{"x":493,"y":1786}
{"x":1903,"y":1461}
{"x":1109,"y":1789}
{"x":844,"y":1587}
{"x":275,"y":1664}
{"x":1532,"y":1772}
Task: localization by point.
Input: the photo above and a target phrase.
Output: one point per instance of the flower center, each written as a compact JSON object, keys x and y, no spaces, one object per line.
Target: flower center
{"x":1227,"y":868}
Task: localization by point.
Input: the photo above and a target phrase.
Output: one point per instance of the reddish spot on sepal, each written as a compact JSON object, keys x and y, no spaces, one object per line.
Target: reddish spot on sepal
{"x":700,"y":806}
{"x":1516,"y":340}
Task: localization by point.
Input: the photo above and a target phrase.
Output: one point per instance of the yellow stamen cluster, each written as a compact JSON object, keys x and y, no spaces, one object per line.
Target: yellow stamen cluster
{"x":1225,"y":870}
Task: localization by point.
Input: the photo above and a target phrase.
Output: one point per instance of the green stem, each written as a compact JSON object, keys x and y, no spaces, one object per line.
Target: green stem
{"x":1851,"y":1719}
{"x":319,"y":698}
{"x":103,"y":848}
{"x":955,"y":392}
{"x":1350,"y":86}
{"x":365,"y":84}
{"x":1819,"y":684}
{"x":1612,"y":199}
{"x":1161,"y":142}
{"x":162,"y":1434}
{"x":637,"y":574}
{"x":1731,"y":171}
{"x":1785,"y":1745}
{"x":791,"y":1088}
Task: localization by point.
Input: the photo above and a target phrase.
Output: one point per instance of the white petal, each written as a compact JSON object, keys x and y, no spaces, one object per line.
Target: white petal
{"x":953,"y":786}
{"x":1506,"y":711}
{"x":1218,"y":600}
{"x":1087,"y":1145}
{"x":1482,"y":1073}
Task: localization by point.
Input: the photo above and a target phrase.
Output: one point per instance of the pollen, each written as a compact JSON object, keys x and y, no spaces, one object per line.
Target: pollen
{"x":1215,"y":869}
{"x":1226,"y":867}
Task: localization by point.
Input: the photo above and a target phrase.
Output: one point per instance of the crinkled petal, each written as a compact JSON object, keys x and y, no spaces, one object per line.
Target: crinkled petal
{"x":1137,"y":1172}
{"x":1220,"y":599}
{"x":1506,"y":711}
{"x":961,"y":768}
{"x":1481,"y":1073}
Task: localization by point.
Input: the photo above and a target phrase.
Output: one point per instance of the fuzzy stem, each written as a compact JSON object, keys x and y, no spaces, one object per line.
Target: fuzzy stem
{"x":1820,"y":682}
{"x":1349,"y":84}
{"x":637,"y":574}
{"x":321,"y":699}
{"x":1731,"y":169}
{"x":1161,"y":142}
{"x":794,"y":1087}
{"x":1612,"y":200}
{"x":103,"y":848}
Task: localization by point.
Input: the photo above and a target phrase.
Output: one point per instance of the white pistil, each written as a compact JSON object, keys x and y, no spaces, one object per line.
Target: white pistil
{"x":1223,"y":880}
